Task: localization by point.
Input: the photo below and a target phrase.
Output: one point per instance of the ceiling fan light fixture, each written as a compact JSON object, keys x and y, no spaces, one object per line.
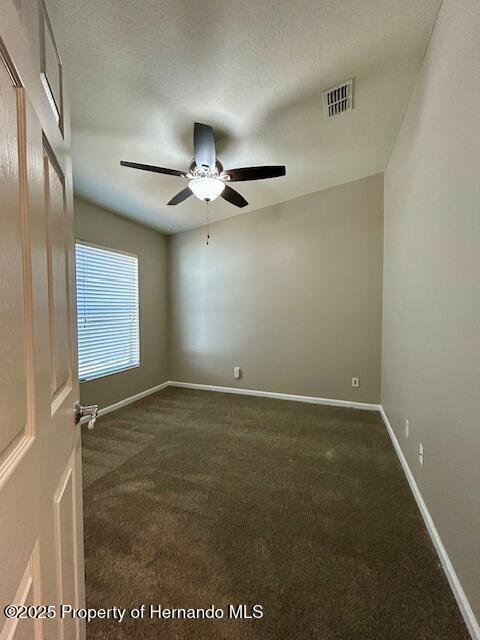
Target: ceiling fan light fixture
{"x":207,"y":188}
{"x":206,"y":176}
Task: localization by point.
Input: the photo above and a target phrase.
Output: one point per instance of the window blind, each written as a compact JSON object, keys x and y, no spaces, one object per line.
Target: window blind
{"x":107,"y":310}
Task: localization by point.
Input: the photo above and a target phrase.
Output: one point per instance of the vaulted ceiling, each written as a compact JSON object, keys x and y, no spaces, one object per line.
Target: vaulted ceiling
{"x":141,"y":72}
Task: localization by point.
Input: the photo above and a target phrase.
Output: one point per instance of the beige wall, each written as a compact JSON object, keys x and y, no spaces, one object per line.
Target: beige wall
{"x":291,"y":293}
{"x":431,"y":325}
{"x":102,"y":227}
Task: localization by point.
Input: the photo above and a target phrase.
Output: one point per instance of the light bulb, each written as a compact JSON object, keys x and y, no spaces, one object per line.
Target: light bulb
{"x":206,"y":188}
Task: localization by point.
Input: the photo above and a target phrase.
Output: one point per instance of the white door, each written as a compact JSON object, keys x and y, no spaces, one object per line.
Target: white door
{"x":41,"y":529}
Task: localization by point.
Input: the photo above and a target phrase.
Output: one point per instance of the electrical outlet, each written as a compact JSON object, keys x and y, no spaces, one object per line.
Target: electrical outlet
{"x":355,"y":382}
{"x":421,"y":454}
{"x":237,"y":373}
{"x":407,"y":427}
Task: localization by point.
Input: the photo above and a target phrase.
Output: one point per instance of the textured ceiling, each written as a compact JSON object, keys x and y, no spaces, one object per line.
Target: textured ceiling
{"x":141,"y":72}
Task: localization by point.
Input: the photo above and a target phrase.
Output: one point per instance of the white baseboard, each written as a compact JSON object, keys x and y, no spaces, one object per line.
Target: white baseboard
{"x":277,"y":396}
{"x":458,"y":592}
{"x":129,"y":400}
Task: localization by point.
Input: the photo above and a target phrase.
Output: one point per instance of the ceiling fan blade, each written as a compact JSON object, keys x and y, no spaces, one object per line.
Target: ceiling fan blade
{"x":151,"y":167}
{"x":204,"y":145}
{"x":233,"y":197}
{"x":181,"y":196}
{"x":255,"y":173}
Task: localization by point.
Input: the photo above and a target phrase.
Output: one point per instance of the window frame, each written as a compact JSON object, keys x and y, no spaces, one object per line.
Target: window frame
{"x":103,"y":247}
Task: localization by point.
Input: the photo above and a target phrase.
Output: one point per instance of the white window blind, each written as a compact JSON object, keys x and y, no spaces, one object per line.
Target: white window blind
{"x":107,"y":308}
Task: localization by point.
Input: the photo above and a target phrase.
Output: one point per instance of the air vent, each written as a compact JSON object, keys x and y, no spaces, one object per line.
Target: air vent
{"x":338,"y":99}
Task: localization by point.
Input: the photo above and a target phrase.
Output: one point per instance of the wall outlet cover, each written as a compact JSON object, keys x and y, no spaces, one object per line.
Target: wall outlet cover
{"x":407,"y":427}
{"x":237,"y":373}
{"x":355,"y":382}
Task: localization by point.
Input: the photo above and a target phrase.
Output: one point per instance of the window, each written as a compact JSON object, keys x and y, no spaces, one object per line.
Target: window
{"x":107,"y":308}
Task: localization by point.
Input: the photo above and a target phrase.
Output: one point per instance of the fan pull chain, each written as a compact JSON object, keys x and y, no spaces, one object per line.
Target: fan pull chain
{"x":208,"y":223}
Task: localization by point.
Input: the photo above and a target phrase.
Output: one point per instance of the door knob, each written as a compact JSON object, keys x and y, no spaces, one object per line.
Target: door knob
{"x":82,"y":411}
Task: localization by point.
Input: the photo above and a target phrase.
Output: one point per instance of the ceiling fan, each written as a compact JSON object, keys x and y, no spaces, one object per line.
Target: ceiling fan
{"x":206,"y":175}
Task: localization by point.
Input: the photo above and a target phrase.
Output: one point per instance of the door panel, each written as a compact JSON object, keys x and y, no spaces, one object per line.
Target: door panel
{"x":58,"y":293}
{"x":50,"y":64}
{"x":41,"y":523}
{"x":26,"y":595}
{"x":13,"y":299}
{"x":64,"y":526}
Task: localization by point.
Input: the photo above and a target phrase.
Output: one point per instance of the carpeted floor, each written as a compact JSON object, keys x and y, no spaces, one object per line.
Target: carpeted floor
{"x":195,"y":498}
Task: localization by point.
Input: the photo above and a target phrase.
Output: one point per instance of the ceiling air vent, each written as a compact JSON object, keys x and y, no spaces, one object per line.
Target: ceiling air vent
{"x":338,"y":99}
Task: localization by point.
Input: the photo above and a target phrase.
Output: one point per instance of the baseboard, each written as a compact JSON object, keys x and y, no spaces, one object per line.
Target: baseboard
{"x":458,"y":592}
{"x":277,"y":396}
{"x":130,"y":399}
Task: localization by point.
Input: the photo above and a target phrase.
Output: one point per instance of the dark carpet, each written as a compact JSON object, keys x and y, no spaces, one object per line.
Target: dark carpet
{"x":195,"y":499}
